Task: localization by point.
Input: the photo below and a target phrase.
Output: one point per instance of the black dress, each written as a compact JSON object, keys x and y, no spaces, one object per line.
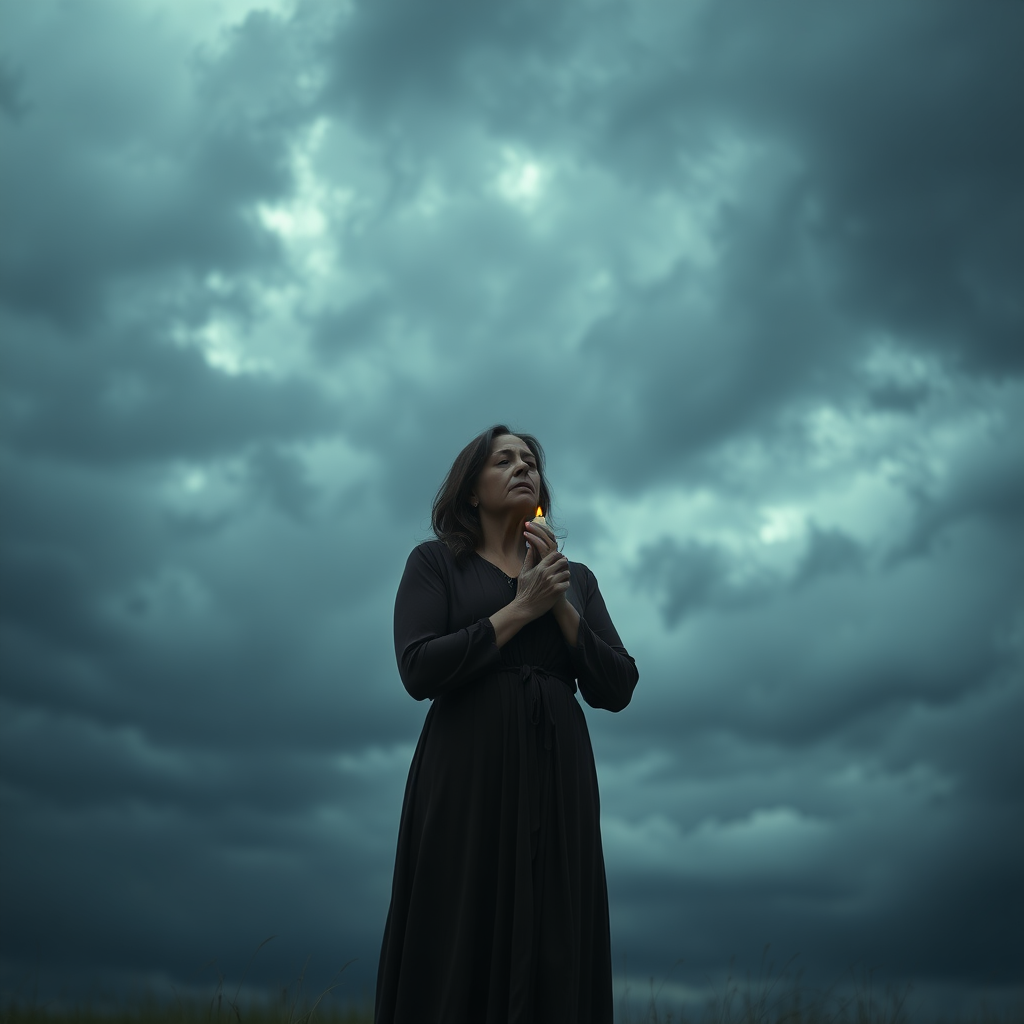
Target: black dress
{"x":499,"y":909}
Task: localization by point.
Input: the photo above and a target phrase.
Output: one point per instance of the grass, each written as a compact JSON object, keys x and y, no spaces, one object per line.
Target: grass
{"x":153,"y":1012}
{"x":291,"y":1006}
{"x":780,"y":997}
{"x":769,"y":996}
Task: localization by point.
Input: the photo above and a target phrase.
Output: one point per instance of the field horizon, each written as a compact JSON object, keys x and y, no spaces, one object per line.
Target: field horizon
{"x":767,"y":995}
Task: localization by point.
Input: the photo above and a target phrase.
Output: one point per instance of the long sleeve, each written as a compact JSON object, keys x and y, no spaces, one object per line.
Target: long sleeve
{"x":606,"y":674}
{"x":431,"y":660}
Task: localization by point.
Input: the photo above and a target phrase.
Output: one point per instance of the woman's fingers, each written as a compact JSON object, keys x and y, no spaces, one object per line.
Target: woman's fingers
{"x":555,"y":561}
{"x":545,"y":582}
{"x":557,"y":566}
{"x":549,"y":566}
{"x":532,"y":558}
{"x":541,"y":538}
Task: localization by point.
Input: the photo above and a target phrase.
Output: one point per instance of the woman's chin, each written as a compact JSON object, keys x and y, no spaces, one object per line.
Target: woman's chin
{"x":523,"y":495}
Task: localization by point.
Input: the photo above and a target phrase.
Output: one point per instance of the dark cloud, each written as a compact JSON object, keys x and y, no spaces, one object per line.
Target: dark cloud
{"x":829,"y":552}
{"x":896,"y":172}
{"x":985,"y":488}
{"x":281,"y":479}
{"x":133,"y":398}
{"x":696,"y":576}
{"x":12,"y":91}
{"x":897,"y":396}
{"x":132,"y":171}
{"x":401,"y":64}
{"x":870,"y":210}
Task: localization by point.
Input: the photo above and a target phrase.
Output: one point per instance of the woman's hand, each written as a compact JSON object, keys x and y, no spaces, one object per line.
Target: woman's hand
{"x":542,"y":587}
{"x":543,"y":542}
{"x":543,"y":583}
{"x":542,"y":545}
{"x":540,"y":539}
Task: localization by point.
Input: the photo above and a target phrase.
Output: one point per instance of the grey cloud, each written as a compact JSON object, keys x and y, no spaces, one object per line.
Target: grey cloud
{"x":114,"y":765}
{"x":788,"y":309}
{"x":897,"y":396}
{"x":696,"y":576}
{"x":13,"y":101}
{"x":878,"y":215}
{"x":142,"y":196}
{"x":133,"y":397}
{"x":982,"y":489}
{"x":354,"y":327}
{"x":833,"y":659}
{"x":283,"y":480}
{"x":719,"y":377}
{"x":402,"y":59}
{"x":829,"y":551}
{"x":902,"y":187}
{"x":693,"y":576}
{"x":157,"y":867}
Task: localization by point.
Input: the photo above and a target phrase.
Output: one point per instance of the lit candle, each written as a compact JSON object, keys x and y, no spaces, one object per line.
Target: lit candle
{"x":541,"y":521}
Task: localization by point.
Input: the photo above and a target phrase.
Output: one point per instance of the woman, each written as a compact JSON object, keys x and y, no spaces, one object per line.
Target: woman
{"x":499,"y":910}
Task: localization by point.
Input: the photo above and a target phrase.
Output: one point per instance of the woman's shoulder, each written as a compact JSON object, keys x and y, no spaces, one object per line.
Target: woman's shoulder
{"x":581,"y":569}
{"x":583,"y":578}
{"x":435,"y":553}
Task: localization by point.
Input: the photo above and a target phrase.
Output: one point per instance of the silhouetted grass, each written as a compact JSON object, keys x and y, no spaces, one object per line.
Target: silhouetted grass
{"x":287,"y":1008}
{"x":769,"y":996}
{"x":154,"y":1012}
{"x":781,"y":997}
{"x":292,"y":1005}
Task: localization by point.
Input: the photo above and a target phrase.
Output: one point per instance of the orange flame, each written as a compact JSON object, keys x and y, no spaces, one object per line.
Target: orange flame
{"x":540,"y":512}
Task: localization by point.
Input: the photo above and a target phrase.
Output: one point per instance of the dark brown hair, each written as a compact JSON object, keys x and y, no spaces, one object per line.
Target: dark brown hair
{"x":453,"y":518}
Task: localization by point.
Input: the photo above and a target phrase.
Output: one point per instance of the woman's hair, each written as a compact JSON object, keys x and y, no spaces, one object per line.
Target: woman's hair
{"x":453,"y":518}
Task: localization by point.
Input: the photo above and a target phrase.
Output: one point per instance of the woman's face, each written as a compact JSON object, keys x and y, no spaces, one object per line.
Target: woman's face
{"x":510,"y":479}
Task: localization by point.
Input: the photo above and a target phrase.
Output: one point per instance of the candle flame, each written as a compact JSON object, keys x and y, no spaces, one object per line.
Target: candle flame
{"x":540,"y":512}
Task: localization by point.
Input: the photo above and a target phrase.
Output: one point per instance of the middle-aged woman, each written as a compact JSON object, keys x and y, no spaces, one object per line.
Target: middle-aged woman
{"x":499,"y":908}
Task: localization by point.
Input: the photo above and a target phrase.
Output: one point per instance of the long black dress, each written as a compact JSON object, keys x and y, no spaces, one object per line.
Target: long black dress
{"x":499,"y":909}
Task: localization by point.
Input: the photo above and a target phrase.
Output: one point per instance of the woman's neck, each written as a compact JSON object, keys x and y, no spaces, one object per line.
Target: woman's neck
{"x":503,"y":542}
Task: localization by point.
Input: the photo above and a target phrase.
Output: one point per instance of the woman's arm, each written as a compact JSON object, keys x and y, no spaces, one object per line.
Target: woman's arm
{"x":568,"y":620}
{"x":432,"y":661}
{"x":607,"y":675}
{"x":605,"y":671}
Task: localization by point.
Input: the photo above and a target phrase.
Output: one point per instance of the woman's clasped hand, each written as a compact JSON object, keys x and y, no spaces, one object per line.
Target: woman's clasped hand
{"x":544,"y":581}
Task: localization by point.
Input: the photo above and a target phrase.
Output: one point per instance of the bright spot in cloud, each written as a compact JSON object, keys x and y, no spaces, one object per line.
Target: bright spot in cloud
{"x":781,"y":524}
{"x":221,"y":347}
{"x":521,"y":180}
{"x":302,"y":222}
{"x":194,"y":481}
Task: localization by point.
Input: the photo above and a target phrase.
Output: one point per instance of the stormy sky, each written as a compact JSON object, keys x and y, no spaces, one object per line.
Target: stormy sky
{"x":751,"y":272}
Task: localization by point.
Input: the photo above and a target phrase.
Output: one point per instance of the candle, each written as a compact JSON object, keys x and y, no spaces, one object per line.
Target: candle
{"x":539,"y":520}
